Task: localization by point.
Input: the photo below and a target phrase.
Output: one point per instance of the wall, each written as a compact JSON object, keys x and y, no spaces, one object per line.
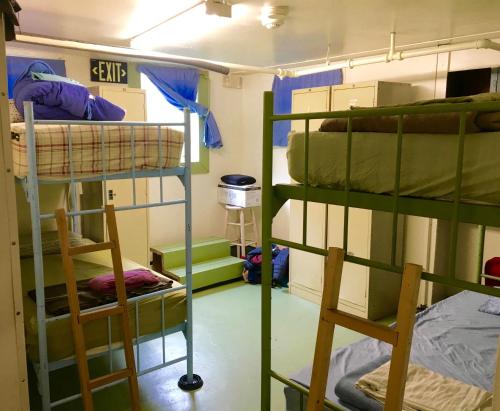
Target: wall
{"x":166,"y":223}
{"x":239,"y":115}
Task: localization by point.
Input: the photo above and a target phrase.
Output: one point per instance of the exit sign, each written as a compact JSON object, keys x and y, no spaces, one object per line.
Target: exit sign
{"x":106,"y":71}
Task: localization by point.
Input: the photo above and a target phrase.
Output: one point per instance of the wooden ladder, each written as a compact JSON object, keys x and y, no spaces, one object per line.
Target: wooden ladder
{"x":399,"y":337}
{"x":78,"y":319}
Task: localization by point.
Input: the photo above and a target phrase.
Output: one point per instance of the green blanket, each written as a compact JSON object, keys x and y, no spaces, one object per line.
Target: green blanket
{"x":428,"y":165}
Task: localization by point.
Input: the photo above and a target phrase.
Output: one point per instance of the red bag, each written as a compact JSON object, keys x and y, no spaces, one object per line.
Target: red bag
{"x":492,"y":267}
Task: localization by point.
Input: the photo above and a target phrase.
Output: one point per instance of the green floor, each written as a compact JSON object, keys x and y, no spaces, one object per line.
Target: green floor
{"x":227,"y":355}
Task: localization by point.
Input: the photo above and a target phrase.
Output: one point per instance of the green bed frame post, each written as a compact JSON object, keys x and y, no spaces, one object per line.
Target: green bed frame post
{"x":267,"y":218}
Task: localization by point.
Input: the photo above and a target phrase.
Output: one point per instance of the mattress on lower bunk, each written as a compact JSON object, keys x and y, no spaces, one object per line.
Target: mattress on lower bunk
{"x":428,"y":163}
{"x":59,"y":336}
{"x":52,"y":143}
{"x":451,"y":338}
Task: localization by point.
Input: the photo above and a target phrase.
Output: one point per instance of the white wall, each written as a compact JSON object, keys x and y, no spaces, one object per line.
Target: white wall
{"x":166,"y":223}
{"x":239,"y":115}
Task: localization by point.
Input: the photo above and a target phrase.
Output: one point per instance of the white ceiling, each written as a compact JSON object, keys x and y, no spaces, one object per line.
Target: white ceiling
{"x":350,"y":26}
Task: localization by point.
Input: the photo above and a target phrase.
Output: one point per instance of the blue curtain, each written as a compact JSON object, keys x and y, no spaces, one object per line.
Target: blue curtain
{"x":179,"y":86}
{"x":17,"y":65}
{"x":282,"y":90}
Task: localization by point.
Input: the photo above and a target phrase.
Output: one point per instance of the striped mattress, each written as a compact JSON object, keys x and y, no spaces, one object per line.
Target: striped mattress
{"x":52,"y":148}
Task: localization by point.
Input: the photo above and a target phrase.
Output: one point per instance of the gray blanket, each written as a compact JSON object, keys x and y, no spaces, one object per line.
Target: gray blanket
{"x":452,"y":338}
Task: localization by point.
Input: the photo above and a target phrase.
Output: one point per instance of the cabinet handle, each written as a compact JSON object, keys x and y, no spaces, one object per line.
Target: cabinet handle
{"x":111,"y":195}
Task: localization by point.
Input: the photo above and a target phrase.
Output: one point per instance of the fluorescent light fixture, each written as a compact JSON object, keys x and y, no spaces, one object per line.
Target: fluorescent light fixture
{"x":218,"y":7}
{"x":196,"y":22}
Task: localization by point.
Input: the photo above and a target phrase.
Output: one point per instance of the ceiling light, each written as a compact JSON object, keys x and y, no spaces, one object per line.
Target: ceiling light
{"x":273,"y":17}
{"x":218,"y":7}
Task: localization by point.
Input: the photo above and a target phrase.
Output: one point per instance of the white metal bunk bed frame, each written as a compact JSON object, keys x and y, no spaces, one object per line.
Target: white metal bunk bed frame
{"x":31,"y":186}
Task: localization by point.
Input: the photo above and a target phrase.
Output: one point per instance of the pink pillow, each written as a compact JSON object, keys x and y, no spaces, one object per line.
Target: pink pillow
{"x":139,"y":277}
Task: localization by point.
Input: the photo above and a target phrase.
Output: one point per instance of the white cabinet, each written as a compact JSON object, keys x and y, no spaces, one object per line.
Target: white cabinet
{"x":306,"y":269}
{"x":366,"y":292}
{"x":133,"y":227}
{"x":310,"y":100}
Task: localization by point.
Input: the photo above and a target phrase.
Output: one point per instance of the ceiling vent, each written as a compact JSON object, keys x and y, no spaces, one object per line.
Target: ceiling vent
{"x":273,"y":17}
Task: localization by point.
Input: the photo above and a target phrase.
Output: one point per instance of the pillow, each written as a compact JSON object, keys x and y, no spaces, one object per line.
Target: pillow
{"x":50,"y":243}
{"x":488,"y":121}
{"x":491,"y":306}
{"x":14,"y":114}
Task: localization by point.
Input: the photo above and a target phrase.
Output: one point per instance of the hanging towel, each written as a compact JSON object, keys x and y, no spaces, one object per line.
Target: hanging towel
{"x":426,"y":390}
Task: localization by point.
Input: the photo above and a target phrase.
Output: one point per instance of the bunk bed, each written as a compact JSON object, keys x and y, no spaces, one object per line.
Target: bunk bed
{"x":447,"y":180}
{"x":50,"y":152}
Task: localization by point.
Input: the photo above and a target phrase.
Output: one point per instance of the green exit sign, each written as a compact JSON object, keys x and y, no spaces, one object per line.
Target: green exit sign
{"x":107,"y":71}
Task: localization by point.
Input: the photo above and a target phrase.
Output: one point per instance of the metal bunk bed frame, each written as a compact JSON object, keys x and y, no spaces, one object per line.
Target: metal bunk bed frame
{"x":31,"y":183}
{"x":275,"y":196}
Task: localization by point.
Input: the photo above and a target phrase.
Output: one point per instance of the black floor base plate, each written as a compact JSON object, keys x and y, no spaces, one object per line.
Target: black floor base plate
{"x":190,"y":386}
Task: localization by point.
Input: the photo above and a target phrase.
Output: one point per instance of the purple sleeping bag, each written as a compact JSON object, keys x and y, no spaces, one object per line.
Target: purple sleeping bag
{"x":58,"y":100}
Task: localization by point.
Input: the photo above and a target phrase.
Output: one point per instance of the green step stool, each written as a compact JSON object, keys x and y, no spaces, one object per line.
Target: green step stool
{"x":211,"y":259}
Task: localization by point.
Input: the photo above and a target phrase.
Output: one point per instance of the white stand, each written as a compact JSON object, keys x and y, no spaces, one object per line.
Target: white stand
{"x":241,"y":242}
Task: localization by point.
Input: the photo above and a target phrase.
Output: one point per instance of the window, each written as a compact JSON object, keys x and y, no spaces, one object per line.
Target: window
{"x":160,"y":110}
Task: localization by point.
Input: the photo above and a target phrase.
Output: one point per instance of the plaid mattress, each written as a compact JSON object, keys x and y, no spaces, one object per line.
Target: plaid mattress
{"x":52,"y":149}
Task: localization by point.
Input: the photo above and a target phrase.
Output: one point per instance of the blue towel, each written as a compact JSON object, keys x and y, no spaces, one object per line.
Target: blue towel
{"x":491,"y":306}
{"x":354,"y":398}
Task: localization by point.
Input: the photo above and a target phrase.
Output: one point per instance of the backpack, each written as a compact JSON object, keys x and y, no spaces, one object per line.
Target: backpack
{"x":253,"y":266}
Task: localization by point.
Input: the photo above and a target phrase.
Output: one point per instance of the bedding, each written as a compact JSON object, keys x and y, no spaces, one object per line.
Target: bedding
{"x":451,"y":338}
{"x":435,"y":123}
{"x":422,"y":174}
{"x":491,"y":306}
{"x":52,"y":149}
{"x":426,"y":390}
{"x":59,"y":336}
{"x":60,"y":100}
{"x":56,"y":297}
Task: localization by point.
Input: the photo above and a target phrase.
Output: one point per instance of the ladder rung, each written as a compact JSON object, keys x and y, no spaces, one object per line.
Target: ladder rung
{"x":363,"y":326}
{"x":100,"y":313}
{"x":90,"y":248}
{"x":109,"y":378}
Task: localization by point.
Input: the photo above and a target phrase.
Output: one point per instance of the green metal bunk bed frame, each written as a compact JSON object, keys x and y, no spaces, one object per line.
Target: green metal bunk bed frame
{"x":275,"y":196}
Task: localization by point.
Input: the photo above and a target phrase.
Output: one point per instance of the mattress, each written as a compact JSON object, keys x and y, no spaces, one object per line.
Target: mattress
{"x":428,"y":165}
{"x":53,"y":158}
{"x":451,"y":337}
{"x":59,"y":336}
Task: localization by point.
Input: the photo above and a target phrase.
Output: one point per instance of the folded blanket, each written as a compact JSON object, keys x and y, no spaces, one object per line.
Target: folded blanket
{"x":238,"y":179}
{"x":438,"y":123}
{"x":138,"y":278}
{"x":56,"y":297}
{"x":426,"y":390}
{"x":60,"y":100}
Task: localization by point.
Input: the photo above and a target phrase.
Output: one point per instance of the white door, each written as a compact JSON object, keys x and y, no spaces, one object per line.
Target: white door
{"x":132,"y":225}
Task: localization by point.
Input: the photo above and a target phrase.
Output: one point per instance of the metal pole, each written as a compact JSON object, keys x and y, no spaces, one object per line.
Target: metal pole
{"x":36,"y":230}
{"x":188,"y":240}
{"x":267,"y":220}
{"x":189,"y":381}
